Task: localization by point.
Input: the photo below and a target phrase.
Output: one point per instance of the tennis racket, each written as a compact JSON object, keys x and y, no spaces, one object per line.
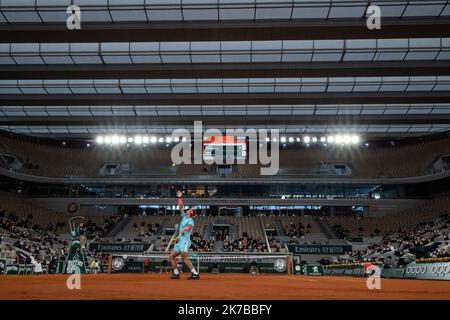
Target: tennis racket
{"x":175,"y":240}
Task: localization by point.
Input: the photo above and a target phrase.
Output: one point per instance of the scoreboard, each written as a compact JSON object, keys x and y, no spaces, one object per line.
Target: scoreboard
{"x":224,"y":147}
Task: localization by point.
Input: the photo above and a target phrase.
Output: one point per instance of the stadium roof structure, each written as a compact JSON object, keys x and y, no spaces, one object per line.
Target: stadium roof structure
{"x":150,"y":66}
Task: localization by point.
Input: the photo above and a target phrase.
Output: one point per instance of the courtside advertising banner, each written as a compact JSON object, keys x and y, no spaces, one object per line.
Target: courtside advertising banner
{"x":314,"y":270}
{"x":428,"y":271}
{"x":119,"y":247}
{"x":319,"y":249}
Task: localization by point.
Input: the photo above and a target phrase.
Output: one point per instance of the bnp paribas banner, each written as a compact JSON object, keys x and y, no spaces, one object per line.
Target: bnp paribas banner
{"x":428,"y":271}
{"x":119,"y":247}
{"x":228,"y":263}
{"x":318,"y":249}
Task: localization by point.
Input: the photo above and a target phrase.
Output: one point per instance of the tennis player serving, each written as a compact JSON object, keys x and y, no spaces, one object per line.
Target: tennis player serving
{"x":184,"y":241}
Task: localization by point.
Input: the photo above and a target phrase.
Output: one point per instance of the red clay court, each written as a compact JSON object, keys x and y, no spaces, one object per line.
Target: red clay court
{"x":216,"y":287}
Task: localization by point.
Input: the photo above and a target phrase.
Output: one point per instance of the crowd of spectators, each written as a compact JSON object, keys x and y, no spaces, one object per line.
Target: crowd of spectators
{"x":275,"y":244}
{"x":198,"y":243}
{"x":40,"y":244}
{"x":46,"y":244}
{"x":201,"y":244}
{"x":146,"y":230}
{"x":298,"y":230}
{"x":340,"y":231}
{"x":245,"y":244}
{"x":98,"y":232}
{"x":424,"y":240}
{"x":343,"y":233}
{"x":28,"y":236}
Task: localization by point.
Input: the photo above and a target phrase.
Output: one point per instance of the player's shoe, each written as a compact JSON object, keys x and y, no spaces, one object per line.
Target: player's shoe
{"x":175,"y":276}
{"x":194,"y":276}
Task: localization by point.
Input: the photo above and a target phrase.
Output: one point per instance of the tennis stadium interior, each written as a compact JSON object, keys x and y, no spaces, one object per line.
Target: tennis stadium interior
{"x":363,"y":117}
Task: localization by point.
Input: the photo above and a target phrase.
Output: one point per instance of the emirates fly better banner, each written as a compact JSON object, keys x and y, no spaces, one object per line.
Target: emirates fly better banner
{"x":318,"y":249}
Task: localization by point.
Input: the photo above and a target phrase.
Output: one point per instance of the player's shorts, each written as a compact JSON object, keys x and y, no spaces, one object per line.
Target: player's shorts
{"x":182,"y":245}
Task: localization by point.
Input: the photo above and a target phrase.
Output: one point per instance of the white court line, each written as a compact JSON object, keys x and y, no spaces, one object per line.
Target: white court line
{"x":325,"y":278}
{"x":345,"y":278}
{"x":300,"y":279}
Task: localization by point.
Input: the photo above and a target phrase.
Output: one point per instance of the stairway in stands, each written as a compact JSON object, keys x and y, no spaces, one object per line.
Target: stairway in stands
{"x":234,"y":232}
{"x":279,"y":227}
{"x":326,"y":229}
{"x":207,"y":231}
{"x":165,"y":224}
{"x":119,"y":227}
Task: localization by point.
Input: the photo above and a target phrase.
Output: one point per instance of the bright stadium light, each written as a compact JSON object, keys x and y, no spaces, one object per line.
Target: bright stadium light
{"x":161,"y":140}
{"x":130,"y":139}
{"x":176,"y":139}
{"x":153,"y":139}
{"x":100,"y":140}
{"x":306,"y":139}
{"x":314,"y":139}
{"x":330,"y":139}
{"x":355,"y":139}
{"x":283,"y":139}
{"x":123,"y":139}
{"x":323,"y":139}
{"x":347,"y":139}
{"x":168,"y":139}
{"x":338,"y":139}
{"x":115,"y":139}
{"x":267,"y":139}
{"x":138,"y":140}
{"x":107,"y":139}
{"x":291,"y":139}
{"x":298,"y":139}
{"x":145,"y":139}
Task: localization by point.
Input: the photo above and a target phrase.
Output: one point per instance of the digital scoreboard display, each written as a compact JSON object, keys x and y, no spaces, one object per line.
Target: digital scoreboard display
{"x":224,"y":147}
